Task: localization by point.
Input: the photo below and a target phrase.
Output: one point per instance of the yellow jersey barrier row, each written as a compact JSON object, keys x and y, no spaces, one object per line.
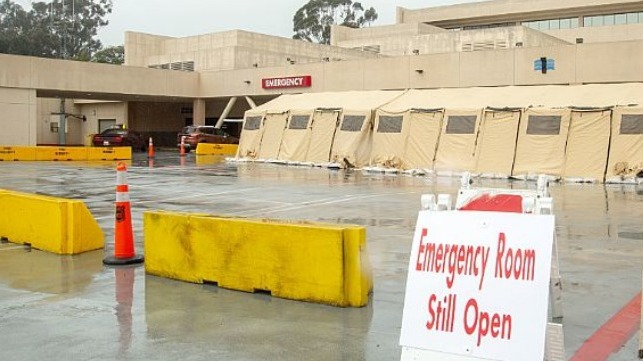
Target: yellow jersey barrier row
{"x":64,"y":153}
{"x":216,"y":149}
{"x":312,"y":262}
{"x":57,"y":225}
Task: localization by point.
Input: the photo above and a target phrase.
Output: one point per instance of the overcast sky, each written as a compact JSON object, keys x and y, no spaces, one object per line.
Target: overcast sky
{"x":193,"y":17}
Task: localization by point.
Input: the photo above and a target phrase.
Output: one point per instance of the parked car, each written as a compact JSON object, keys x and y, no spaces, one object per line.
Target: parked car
{"x":119,"y":137}
{"x":195,"y":134}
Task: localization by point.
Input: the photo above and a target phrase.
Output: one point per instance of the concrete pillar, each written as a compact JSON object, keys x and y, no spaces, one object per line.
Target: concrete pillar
{"x":32,"y":120}
{"x":251,"y":102}
{"x":198,"y":112}
{"x":226,"y":111}
{"x":62,"y":124}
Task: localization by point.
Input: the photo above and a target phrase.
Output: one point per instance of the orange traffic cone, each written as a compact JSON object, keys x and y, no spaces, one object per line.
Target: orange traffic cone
{"x":123,"y":237}
{"x":150,"y":149}
{"x":182,"y":151}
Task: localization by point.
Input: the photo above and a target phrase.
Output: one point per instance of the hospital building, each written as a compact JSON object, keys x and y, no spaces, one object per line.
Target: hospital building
{"x":546,"y":71}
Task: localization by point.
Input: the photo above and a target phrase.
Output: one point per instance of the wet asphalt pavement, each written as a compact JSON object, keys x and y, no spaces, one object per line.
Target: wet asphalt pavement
{"x":74,"y":308}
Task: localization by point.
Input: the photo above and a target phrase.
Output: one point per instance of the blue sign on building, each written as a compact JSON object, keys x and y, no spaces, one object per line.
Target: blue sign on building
{"x":550,"y":64}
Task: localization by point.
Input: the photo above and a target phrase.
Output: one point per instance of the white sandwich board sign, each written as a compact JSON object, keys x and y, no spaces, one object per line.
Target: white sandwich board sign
{"x":478,"y":286}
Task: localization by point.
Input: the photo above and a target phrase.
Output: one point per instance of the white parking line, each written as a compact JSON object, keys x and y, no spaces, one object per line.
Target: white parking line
{"x":197,"y":195}
{"x":322,"y":202}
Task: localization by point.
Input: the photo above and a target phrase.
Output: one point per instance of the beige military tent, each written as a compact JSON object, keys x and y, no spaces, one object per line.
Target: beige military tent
{"x":447,"y":130}
{"x":250,"y":140}
{"x":587,"y":145}
{"x":542,"y":138}
{"x":626,"y":149}
{"x":458,"y":142}
{"x":284,"y":139}
{"x":497,"y":142}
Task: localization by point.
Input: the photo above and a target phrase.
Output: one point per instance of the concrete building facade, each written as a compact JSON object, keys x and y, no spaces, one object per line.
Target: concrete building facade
{"x":167,"y":83}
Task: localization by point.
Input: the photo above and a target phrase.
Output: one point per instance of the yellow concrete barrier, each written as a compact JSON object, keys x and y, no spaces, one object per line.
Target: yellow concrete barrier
{"x":17,"y":153}
{"x":301,"y":261}
{"x":21,"y":153}
{"x":61,"y":153}
{"x":216,"y":149}
{"x":202,"y":160}
{"x":109,"y":153}
{"x":50,"y":224}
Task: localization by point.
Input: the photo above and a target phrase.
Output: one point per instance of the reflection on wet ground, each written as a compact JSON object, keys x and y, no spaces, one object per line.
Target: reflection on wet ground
{"x":74,"y":308}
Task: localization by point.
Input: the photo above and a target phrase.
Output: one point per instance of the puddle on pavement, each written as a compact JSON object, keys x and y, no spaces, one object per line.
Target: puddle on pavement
{"x":380,"y":222}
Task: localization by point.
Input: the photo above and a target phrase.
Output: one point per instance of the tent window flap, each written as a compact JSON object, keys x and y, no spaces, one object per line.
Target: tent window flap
{"x":632,"y":124}
{"x":388,"y":124}
{"x":544,"y":125}
{"x":353,"y":123}
{"x":461,"y":124}
{"x":299,"y":122}
{"x":252,"y":123}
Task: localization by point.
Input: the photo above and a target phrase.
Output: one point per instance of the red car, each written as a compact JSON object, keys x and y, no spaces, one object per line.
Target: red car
{"x":195,"y":134}
{"x":118,"y":137}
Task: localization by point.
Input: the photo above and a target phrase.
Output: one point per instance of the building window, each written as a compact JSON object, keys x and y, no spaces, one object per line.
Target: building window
{"x":633,"y":18}
{"x":486,"y":26}
{"x":620,"y":19}
{"x":552,"y":24}
{"x":614,"y":19}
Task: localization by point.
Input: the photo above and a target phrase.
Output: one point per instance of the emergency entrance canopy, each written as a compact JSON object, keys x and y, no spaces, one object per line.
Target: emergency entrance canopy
{"x":626,"y":150}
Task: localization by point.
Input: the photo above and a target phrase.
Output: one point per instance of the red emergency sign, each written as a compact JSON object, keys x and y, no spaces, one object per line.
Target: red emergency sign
{"x":304,"y":81}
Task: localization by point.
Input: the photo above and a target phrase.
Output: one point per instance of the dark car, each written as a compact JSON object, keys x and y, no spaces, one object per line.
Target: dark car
{"x":119,"y":137}
{"x":195,"y":134}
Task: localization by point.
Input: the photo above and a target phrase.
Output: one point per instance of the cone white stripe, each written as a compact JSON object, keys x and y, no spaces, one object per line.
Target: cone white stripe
{"x":122,"y":197}
{"x":121,"y":178}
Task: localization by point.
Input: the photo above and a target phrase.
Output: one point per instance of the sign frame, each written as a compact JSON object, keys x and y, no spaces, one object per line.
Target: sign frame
{"x":462,"y":348}
{"x":301,"y":81}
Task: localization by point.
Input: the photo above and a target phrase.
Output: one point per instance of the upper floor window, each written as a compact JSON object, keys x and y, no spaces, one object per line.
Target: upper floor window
{"x":613,"y":19}
{"x":552,"y":24}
